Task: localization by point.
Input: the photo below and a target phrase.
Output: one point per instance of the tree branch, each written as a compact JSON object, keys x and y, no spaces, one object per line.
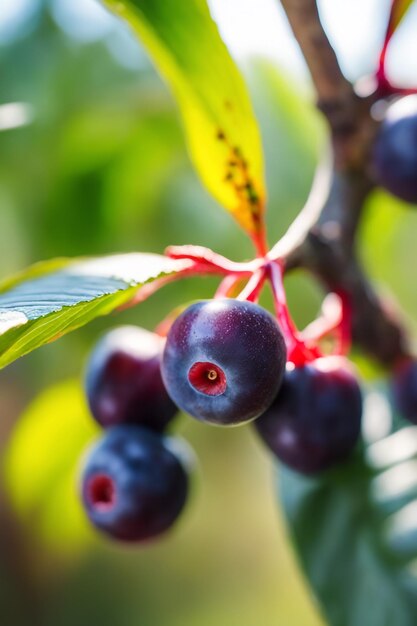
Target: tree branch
{"x":320,"y":57}
{"x":336,"y":97}
{"x":322,"y":238}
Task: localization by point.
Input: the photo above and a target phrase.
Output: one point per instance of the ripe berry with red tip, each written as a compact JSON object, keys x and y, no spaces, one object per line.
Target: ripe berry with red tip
{"x":124,"y":383}
{"x":134,"y":486}
{"x":224,"y":360}
{"x":315,"y":419}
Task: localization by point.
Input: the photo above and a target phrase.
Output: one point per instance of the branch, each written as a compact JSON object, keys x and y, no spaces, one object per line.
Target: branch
{"x":336,"y":97}
{"x":320,"y":57}
{"x":322,"y":238}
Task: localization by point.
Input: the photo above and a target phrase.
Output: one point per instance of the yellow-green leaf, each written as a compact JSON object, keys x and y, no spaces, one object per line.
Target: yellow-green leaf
{"x":221,"y":128}
{"x":41,"y":465}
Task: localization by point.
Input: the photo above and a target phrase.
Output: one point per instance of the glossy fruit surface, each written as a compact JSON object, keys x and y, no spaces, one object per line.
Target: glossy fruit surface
{"x":315,"y":419}
{"x":404,"y":387}
{"x":133,"y":485}
{"x":124,"y":383}
{"x":394,"y":157}
{"x":224,"y":360}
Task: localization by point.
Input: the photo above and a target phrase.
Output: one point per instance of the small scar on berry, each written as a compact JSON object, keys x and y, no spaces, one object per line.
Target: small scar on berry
{"x":101,"y":492}
{"x":207,"y":378}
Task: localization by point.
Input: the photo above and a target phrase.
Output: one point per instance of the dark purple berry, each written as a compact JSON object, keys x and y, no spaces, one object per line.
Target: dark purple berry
{"x":315,"y":420}
{"x":394,"y":157}
{"x":124,"y":383}
{"x":134,"y":485}
{"x":404,"y":387}
{"x":224,"y":360}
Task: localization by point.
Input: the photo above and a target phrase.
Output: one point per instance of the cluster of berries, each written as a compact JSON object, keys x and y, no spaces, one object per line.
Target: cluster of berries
{"x":135,"y":479}
{"x":224,"y":362}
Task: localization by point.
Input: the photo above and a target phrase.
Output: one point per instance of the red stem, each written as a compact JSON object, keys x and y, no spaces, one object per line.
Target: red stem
{"x":332,"y":323}
{"x":225,"y":289}
{"x":210,"y":261}
{"x":298,"y":352}
{"x":253,"y":288}
{"x":199,"y":260}
{"x":345,"y":326}
{"x":384,"y":86}
{"x":260,"y":242}
{"x":380,"y":74}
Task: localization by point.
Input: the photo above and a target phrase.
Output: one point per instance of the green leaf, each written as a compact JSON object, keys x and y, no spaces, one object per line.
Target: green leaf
{"x":41,"y":466}
{"x":53,"y":298}
{"x":355,"y":529}
{"x":222,"y":132}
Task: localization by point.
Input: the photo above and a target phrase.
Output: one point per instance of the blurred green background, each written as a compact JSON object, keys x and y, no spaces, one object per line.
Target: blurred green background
{"x":102,"y":168}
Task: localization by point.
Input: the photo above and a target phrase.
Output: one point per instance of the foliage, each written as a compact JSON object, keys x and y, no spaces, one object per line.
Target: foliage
{"x":50,"y":299}
{"x":105,"y":151}
{"x":352,"y":526}
{"x":119,"y":169}
{"x":221,"y":129}
{"x":43,"y":486}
